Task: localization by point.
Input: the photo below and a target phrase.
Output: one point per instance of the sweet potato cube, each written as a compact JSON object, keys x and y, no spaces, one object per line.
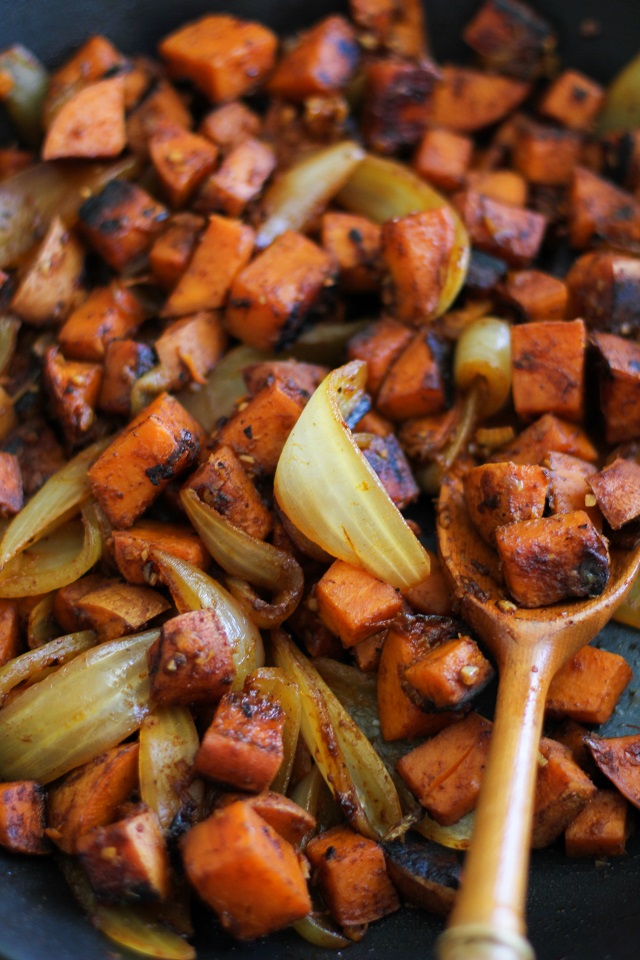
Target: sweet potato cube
{"x":450,"y":674}
{"x":548,"y":368}
{"x":545,"y":155}
{"x":562,"y":790}
{"x":239,"y":179}
{"x":109,"y":313}
{"x":414,"y":385}
{"x":572,"y":100}
{"x":73,"y":388}
{"x":396,"y":103}
{"x":619,"y":386}
{"x":289,"y":820}
{"x":223,"y":483}
{"x":245,"y":871}
{"x":617,"y":491}
{"x":192,"y":659}
{"x":259,"y":428}
{"x":553,"y":558}
{"x":189,"y":348}
{"x":90,"y":795}
{"x":510,"y":37}
{"x":117,"y":609}
{"x":90,"y":123}
{"x":500,"y":229}
{"x":599,"y":208}
{"x":132,"y":548}
{"x":367,"y":653}
{"x":354,"y":604}
{"x":65,"y":602}
{"x":223,"y":56}
{"x":387,"y":459}
{"x":229,"y":124}
{"x":173,"y":249}
{"x":11,"y":492}
{"x":549,"y":433}
{"x":499,"y":493}
{"x":379,"y":344}
{"x":442,"y":157}
{"x":135,"y":468}
{"x":504,"y":186}
{"x":588,"y":687}
{"x":351,"y":872}
{"x":354,"y":243}
{"x":272,"y":296}
{"x":22,"y":823}
{"x":432,"y":594}
{"x":322,"y":61}
{"x":445,"y":772}
{"x":38,"y":451}
{"x":602,"y":827}
{"x":120,"y":222}
{"x":243,"y":746}
{"x":568,"y":487}
{"x":298,"y":377}
{"x":182,"y":160}
{"x":162,"y":105}
{"x":124,"y":362}
{"x":617,"y":758}
{"x":465,"y":100}
{"x":127,"y":860}
{"x":48,"y":286}
{"x":603,"y":290}
{"x":537,"y":295}
{"x":416,"y":250}
{"x":222,"y":251}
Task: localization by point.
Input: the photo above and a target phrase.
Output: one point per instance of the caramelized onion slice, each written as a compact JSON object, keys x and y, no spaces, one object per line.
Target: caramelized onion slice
{"x":192,"y":589}
{"x":274,"y":683}
{"x":29,"y":666}
{"x":349,"y":764}
{"x":168,"y":744}
{"x":330,"y":493}
{"x":621,"y":109}
{"x":248,"y":561}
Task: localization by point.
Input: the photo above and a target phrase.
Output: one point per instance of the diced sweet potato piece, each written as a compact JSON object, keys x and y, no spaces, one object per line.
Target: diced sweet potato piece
{"x":120,"y":222}
{"x":450,"y":674}
{"x":222,"y":251}
{"x":599,"y":208}
{"x":223,"y":56}
{"x":239,"y":179}
{"x":355,"y":604}
{"x":618,"y":759}
{"x":65,"y":603}
{"x":545,"y":155}
{"x":510,"y":37}
{"x":90,"y":123}
{"x":117,"y":609}
{"x":432,"y":594}
{"x":192,"y":659}
{"x":562,"y":790}
{"x":588,"y":686}
{"x":442,"y":157}
{"x":499,"y":493}
{"x":259,"y":428}
{"x":291,"y":821}
{"x":548,"y":364}
{"x":22,"y":822}
{"x":619,"y":386}
{"x":157,"y":445}
{"x":385,"y":456}
{"x":132,"y":548}
{"x":49,"y":284}
{"x":109,"y":313}
{"x":617,"y":491}
{"x":322,"y":61}
{"x":189,"y":348}
{"x":379,"y":344}
{"x":416,"y":250}
{"x":422,"y":437}
{"x":272,"y":296}
{"x":602,"y":827}
{"x":229,"y":124}
{"x":223,"y":483}
{"x":38,"y":451}
{"x":172,"y":250}
{"x":354,"y":243}
{"x":445,"y":772}
{"x":90,"y":795}
{"x":162,"y":105}
{"x":503,"y":186}
{"x":298,"y":377}
{"x":127,"y":860}
{"x":572,"y":735}
{"x":424,"y":873}
{"x":466,"y":100}
{"x":603,"y":289}
{"x":182,"y":160}
{"x":124,"y":362}
{"x":245,"y":871}
{"x":537,"y":295}
{"x":243,"y":745}
{"x":536,"y":441}
{"x":351,"y":872}
{"x":11,"y":493}
{"x":505,"y":231}
{"x":366,"y":654}
{"x":396,"y":102}
{"x":572,"y":100}
{"x":73,"y":388}
{"x":568,"y":487}
{"x":553,"y":558}
{"x":414,"y":384}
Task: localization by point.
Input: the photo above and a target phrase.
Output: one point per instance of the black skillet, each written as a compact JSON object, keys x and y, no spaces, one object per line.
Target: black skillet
{"x":576,"y":910}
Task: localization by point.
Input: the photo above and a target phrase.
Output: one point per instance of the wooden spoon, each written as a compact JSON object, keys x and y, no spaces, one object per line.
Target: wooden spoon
{"x":529,"y":645}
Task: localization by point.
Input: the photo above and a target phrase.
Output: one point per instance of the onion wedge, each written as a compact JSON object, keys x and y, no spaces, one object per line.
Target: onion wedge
{"x":305,"y":189}
{"x":56,"y":560}
{"x":350,"y":766}
{"x":248,"y":561}
{"x":224,"y":386}
{"x":30,"y":665}
{"x":192,"y":589}
{"x":168,"y":744}
{"x":78,"y":712}
{"x":621,"y":108}
{"x":59,"y":499}
{"x":383,"y":189}
{"x":330,"y":493}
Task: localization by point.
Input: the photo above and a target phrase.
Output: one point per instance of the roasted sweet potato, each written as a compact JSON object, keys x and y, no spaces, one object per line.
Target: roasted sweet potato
{"x":414,"y":384}
{"x":443,"y":157}
{"x":450,"y":674}
{"x":619,"y":385}
{"x":354,"y":604}
{"x":536,"y":295}
{"x":132,"y":548}
{"x":562,"y":790}
{"x":548,"y":368}
{"x":588,"y":686}
{"x":182,"y":160}
{"x":90,"y":123}
{"x":510,"y":37}
{"x":354,"y":243}
{"x":223,"y":483}
{"x":189,"y":348}
{"x":617,"y":491}
{"x":73,"y":389}
{"x":498,"y":228}
{"x":239,"y":180}
{"x":109,"y":313}
{"x":11,"y":491}
{"x":603,"y":289}
{"x":229,"y":124}
{"x":379,"y":344}
{"x":22,"y":817}
{"x":466,"y":100}
{"x":568,"y":487}
{"x":617,"y":758}
{"x":602,"y":827}
{"x":172,"y":250}
{"x":499,"y":493}
{"x":120,"y":222}
{"x":116,"y":609}
{"x":396,"y":103}
{"x":548,"y":433}
{"x":572,"y":100}
{"x":322,"y":61}
{"x":49,"y":284}
{"x":124,"y":362}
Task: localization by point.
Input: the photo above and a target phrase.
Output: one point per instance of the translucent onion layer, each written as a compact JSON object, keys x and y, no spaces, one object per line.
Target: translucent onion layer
{"x":483,"y":357}
{"x":330,"y":493}
{"x":224,"y":386}
{"x":29,"y":666}
{"x":168,"y":744}
{"x":273,"y":682}
{"x":621,"y":109}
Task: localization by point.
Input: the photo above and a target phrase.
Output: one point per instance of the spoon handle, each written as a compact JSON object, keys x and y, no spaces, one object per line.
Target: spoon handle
{"x":487,"y":922}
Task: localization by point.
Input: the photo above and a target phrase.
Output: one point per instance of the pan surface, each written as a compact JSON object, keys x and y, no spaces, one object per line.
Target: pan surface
{"x":576,"y":910}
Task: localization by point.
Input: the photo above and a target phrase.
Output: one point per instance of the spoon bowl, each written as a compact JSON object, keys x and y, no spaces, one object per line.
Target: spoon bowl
{"x":529,"y":646}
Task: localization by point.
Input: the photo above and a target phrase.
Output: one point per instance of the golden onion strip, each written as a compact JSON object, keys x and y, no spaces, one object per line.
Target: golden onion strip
{"x":168,"y":744}
{"x":274,"y":683}
{"x":30,"y":665}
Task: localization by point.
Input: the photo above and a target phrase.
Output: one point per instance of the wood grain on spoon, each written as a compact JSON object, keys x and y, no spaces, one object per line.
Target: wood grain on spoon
{"x":529,"y":646}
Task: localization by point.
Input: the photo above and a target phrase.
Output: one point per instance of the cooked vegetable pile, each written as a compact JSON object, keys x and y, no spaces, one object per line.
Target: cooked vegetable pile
{"x":258,"y":298}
